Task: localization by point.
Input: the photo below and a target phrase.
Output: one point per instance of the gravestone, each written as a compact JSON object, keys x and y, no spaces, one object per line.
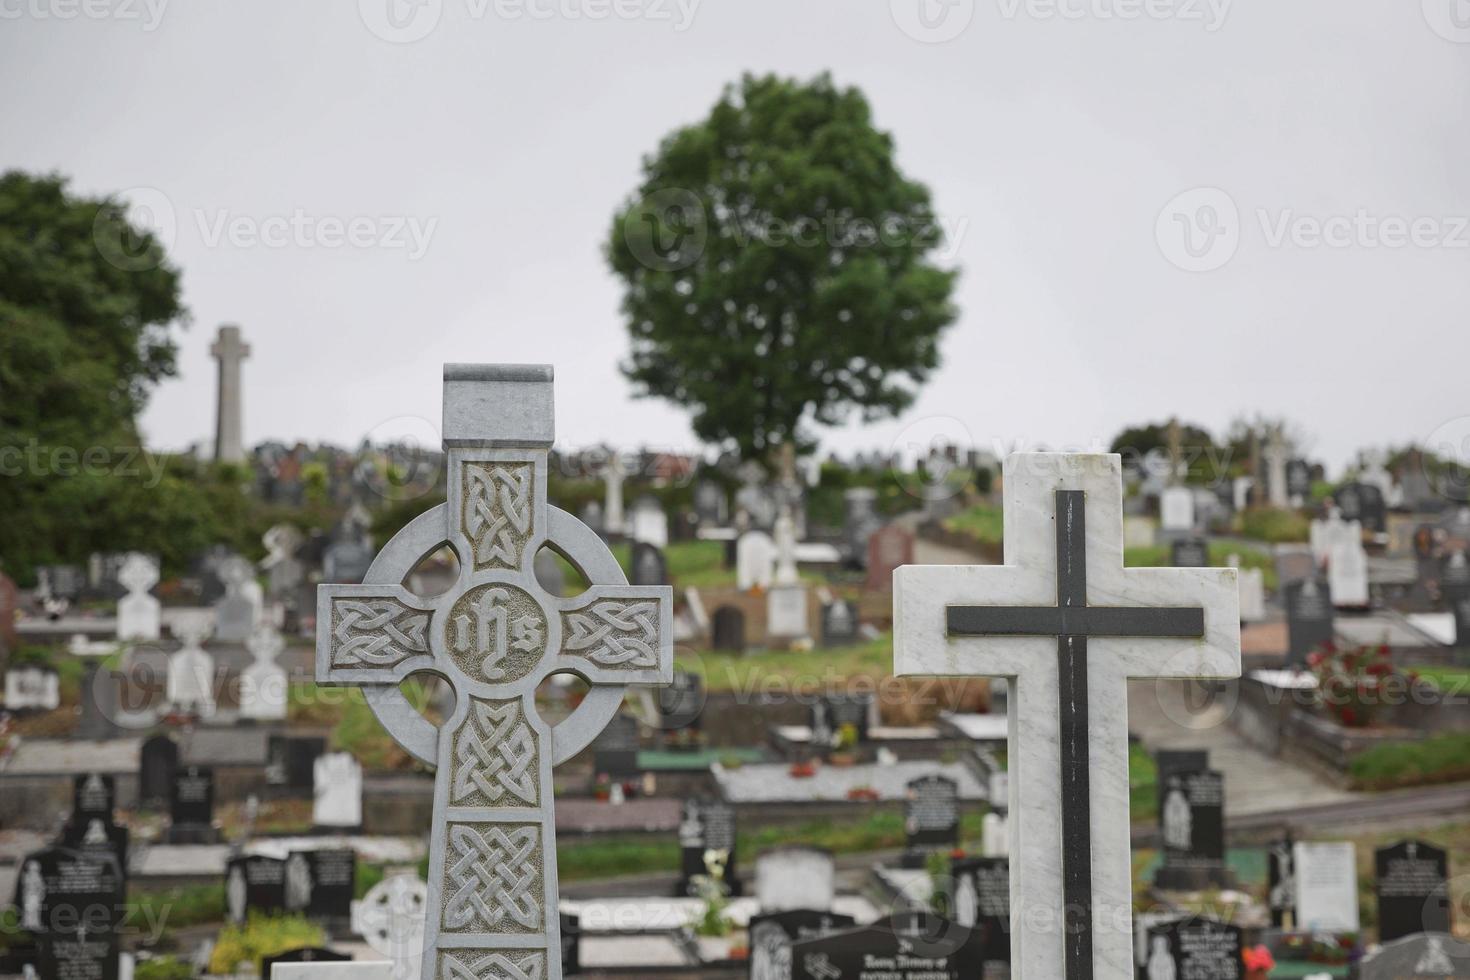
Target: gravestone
{"x":90,"y":828}
{"x":904,"y":946}
{"x":982,"y":901}
{"x":158,"y":759}
{"x":834,"y":715}
{"x":931,"y":817}
{"x":1412,"y":885}
{"x":138,"y":613}
{"x":1294,"y":563}
{"x":649,"y":566}
{"x":254,"y":883}
{"x":263,"y":685}
{"x":239,"y":611}
{"x":681,"y":704}
{"x":786,"y":612}
{"x":571,"y":943}
{"x":31,"y":687}
{"x":1176,"y":510}
{"x":1454,"y":587}
{"x":278,"y":967}
{"x":648,"y":523}
{"x":797,"y":877}
{"x":1173,"y":762}
{"x":591,"y":515}
{"x":755,"y":560}
{"x":347,"y":557}
{"x":859,"y":520}
{"x":706,"y":825}
{"x":889,"y":548}
{"x":100,"y":705}
{"x":754,"y":499}
{"x":615,"y":749}
{"x":1068,"y":763}
{"x":1189,"y":553}
{"x":995,"y":835}
{"x":191,"y":806}
{"x":1425,"y":956}
{"x":1298,"y":479}
{"x":337,"y":791}
{"x":320,"y":884}
{"x":284,"y":571}
{"x":190,"y":686}
{"x":549,"y":574}
{"x":390,"y":918}
{"x":73,"y":902}
{"x":291,"y":761}
{"x":1192,"y":829}
{"x":1194,"y":947}
{"x":1252,"y":595}
{"x":1326,"y":886}
{"x":1281,"y":882}
{"x":495,"y":636}
{"x":728,"y":631}
{"x":1309,"y":618}
{"x":710,"y":503}
{"x":771,"y":937}
{"x":1347,"y":574}
{"x":839,"y":623}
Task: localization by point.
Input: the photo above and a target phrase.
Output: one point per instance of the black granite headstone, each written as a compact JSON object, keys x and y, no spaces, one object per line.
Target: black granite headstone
{"x":705,"y":825}
{"x":771,"y":937}
{"x":615,"y":750}
{"x":1298,"y":478}
{"x":1192,"y":947}
{"x":291,"y":761}
{"x":982,"y":901}
{"x":1309,"y":618}
{"x":254,"y":883}
{"x":1189,"y":553}
{"x":834,"y":712}
{"x":158,"y":761}
{"x":191,"y":802}
{"x":904,"y":946}
{"x":73,"y":902}
{"x":1412,"y":889}
{"x":931,"y":814}
{"x":571,"y":944}
{"x":839,"y":623}
{"x":728,"y":630}
{"x":1192,"y":830}
{"x":90,"y":828}
{"x":320,"y":883}
{"x":681,"y":704}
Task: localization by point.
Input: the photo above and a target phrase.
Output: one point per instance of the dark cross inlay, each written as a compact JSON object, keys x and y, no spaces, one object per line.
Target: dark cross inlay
{"x":1072,"y":621}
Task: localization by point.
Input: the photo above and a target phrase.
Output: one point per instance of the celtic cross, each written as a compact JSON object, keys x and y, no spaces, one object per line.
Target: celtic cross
{"x":494,"y":636}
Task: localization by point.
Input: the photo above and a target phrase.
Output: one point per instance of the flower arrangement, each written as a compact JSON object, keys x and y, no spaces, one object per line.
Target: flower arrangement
{"x":1350,"y":680}
{"x":803,"y":770}
{"x":1258,"y":962}
{"x":863,"y":794}
{"x":712,"y":890}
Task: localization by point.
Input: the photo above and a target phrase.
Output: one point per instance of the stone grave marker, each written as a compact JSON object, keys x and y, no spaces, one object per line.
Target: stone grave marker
{"x":796,"y":877}
{"x":710,"y":503}
{"x":1068,"y":663}
{"x":889,"y":548}
{"x":1176,"y":510}
{"x":239,"y":611}
{"x":649,"y":567}
{"x":615,"y":749}
{"x":995,"y":835}
{"x":284,"y":571}
{"x":1281,"y":882}
{"x":254,"y":883}
{"x":771,"y":937}
{"x":291,"y":761}
{"x":138,"y":613}
{"x":1347,"y":574}
{"x":158,"y":759}
{"x":1326,"y":886}
{"x":754,"y":498}
{"x":190,"y":684}
{"x":549,"y":574}
{"x":1298,"y":479}
{"x":904,"y":946}
{"x":755,"y":560}
{"x":1454,"y":587}
{"x":1425,"y":956}
{"x":1194,"y":947}
{"x":982,"y":901}
{"x":307,"y":962}
{"x":337,"y":791}
{"x":263,"y":685}
{"x":191,"y":806}
{"x":73,"y":902}
{"x":1192,"y":829}
{"x":648,"y":523}
{"x":833,"y":712}
{"x":390,"y":918}
{"x":90,"y":828}
{"x":320,"y":884}
{"x":1252,"y":593}
{"x":859,"y":520}
{"x":1294,"y":563}
{"x":681,"y":704}
{"x":1309,"y":618}
{"x":786,"y":612}
{"x":350,"y":553}
{"x":1190,"y":552}
{"x":728,"y":629}
{"x":1412,"y":886}
{"x":32,"y":687}
{"x":705,"y":825}
{"x":931,"y":817}
{"x":839,"y":623}
{"x":496,"y":636}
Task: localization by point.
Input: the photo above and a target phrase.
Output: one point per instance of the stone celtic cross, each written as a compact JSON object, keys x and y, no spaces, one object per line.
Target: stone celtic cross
{"x":1068,"y":625}
{"x":495,"y":635}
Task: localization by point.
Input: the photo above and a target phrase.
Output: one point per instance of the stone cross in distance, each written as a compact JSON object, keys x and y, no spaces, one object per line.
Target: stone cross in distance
{"x":1068,"y":625}
{"x":495,"y":635}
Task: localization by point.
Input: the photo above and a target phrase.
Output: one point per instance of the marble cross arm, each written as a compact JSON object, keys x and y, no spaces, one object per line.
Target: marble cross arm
{"x":371,"y":634}
{"x":619,"y":634}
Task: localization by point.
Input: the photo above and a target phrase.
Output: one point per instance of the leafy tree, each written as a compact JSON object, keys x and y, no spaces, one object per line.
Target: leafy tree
{"x":1199,"y":453}
{"x":88,"y":303}
{"x":778,"y":267}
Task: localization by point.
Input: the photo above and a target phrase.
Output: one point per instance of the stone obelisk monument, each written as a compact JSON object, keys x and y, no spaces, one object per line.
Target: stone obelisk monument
{"x":229,"y":350}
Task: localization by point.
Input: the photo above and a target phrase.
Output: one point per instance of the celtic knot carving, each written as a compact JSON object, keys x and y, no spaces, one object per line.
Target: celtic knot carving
{"x":493,"y":878}
{"x":497,"y":504}
{"x":377,"y":632}
{"x":478,"y":965}
{"x":495,"y":758}
{"x":618,"y":633}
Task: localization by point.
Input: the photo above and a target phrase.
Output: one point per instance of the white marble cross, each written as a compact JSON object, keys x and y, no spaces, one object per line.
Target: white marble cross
{"x":1068,"y":625}
{"x":495,"y":635}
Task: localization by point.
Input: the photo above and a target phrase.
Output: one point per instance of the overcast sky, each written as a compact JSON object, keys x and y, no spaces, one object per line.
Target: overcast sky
{"x":1070,"y":146}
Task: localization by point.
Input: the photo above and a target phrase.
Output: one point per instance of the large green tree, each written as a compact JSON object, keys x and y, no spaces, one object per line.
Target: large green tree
{"x":88,"y":303}
{"x":779,"y":267}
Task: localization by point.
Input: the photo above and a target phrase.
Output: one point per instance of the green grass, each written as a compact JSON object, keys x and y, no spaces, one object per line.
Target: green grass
{"x":178,"y":908}
{"x":983,"y":522}
{"x":1274,"y":526}
{"x":1450,"y":680}
{"x":785,"y":670}
{"x":1439,"y":759}
{"x":1143,"y":784}
{"x":354,"y":727}
{"x":1220,"y":552}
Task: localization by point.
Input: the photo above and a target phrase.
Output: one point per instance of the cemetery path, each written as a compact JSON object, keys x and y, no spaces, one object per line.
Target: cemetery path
{"x":931,"y":552}
{"x":1161,"y":714}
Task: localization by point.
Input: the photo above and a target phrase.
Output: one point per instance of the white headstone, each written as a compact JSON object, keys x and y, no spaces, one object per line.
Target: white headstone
{"x":138,"y":613}
{"x":755,"y":559}
{"x":1347,"y":573}
{"x":648,"y":523}
{"x":190,"y":683}
{"x":994,"y":836}
{"x":263,"y":685}
{"x":795,"y":878}
{"x":1326,"y":886}
{"x":786,"y":611}
{"x":238,"y":611}
{"x":1063,"y":600}
{"x":390,"y":919}
{"x":1252,"y":595}
{"x":337,"y":787}
{"x":1176,"y":509}
{"x":30,"y":688}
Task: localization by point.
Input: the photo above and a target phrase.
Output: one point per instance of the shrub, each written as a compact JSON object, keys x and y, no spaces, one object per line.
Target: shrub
{"x":1274,"y":526}
{"x":259,"y":937}
{"x":163,"y":968}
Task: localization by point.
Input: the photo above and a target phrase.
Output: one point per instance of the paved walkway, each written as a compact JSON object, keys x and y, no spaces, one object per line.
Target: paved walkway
{"x":1160,"y":714}
{"x":932,"y":553}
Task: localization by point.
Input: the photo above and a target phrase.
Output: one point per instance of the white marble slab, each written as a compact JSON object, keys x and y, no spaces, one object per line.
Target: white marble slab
{"x":979,"y":728}
{"x":802,"y":734}
{"x":1286,"y":680}
{"x":1439,"y":627}
{"x":775,"y":784}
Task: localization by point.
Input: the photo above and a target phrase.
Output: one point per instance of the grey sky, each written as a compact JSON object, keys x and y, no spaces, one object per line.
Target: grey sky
{"x":1053,"y":134}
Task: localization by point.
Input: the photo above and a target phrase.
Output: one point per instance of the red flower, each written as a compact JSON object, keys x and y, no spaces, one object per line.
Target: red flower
{"x":1378,"y":670}
{"x":1258,"y":958}
{"x":1315,"y":659}
{"x":1349,"y":716}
